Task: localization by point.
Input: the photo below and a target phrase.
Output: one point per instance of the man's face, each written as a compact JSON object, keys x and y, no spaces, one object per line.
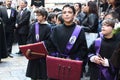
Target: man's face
{"x":40,"y":17}
{"x":67,"y":15}
{"x":8,"y":3}
{"x":22,"y":4}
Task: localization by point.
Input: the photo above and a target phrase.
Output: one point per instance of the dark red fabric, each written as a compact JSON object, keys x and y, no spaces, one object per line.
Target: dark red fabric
{"x":38,"y":48}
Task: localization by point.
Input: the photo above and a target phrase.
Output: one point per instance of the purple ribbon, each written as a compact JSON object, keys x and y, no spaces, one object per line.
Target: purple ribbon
{"x":73,"y":38}
{"x":70,"y":44}
{"x":98,"y":45}
{"x":37,"y":31}
{"x":12,"y":13}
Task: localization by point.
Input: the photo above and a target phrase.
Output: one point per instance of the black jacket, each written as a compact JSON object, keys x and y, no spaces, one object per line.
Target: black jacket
{"x":9,"y":22}
{"x":90,"y":23}
{"x":23,"y":22}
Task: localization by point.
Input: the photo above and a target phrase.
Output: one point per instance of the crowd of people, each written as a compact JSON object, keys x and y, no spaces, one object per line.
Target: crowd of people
{"x":77,"y":32}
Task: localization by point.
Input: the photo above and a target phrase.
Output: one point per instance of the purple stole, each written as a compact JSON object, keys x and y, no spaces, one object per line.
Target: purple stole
{"x":73,"y":39}
{"x":37,"y":31}
{"x":70,"y":43}
{"x":12,"y":12}
{"x":103,"y":70}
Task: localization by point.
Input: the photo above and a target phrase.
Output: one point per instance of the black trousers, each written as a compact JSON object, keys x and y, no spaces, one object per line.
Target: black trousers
{"x":9,"y":40}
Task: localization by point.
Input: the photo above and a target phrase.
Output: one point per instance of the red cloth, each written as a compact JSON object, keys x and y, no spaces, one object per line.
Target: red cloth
{"x":38,"y":50}
{"x":63,"y":69}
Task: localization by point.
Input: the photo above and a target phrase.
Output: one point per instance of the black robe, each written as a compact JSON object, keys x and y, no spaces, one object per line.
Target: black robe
{"x":36,"y":69}
{"x":106,"y":50}
{"x":59,"y":38}
{"x":3,"y":49}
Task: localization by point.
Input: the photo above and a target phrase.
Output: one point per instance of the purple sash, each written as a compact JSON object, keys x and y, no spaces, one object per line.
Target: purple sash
{"x":12,"y":12}
{"x":73,"y":38}
{"x":103,"y":70}
{"x":70,"y":43}
{"x":98,"y":45}
{"x":37,"y":31}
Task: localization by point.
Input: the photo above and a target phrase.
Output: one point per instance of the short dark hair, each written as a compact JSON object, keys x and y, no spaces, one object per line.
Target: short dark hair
{"x":70,"y":6}
{"x":42,"y":11}
{"x":59,"y":16}
{"x":51,"y":16}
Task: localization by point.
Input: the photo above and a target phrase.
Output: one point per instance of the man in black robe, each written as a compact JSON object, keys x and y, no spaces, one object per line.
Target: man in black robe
{"x":3,"y":49}
{"x":8,"y":15}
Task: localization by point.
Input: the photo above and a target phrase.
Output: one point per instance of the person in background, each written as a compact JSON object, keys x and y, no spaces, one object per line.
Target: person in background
{"x":112,"y":15}
{"x":57,"y":10}
{"x":114,"y":5}
{"x":3,"y":48}
{"x":36,"y":68}
{"x":79,"y":14}
{"x":22,"y":23}
{"x":90,"y":22}
{"x":103,"y":5}
{"x":115,"y":61}
{"x":32,"y":16}
{"x":8,"y":15}
{"x":102,"y":49}
{"x":101,"y":17}
{"x":1,"y":4}
{"x":59,"y":19}
{"x":61,"y":36}
{"x":52,"y":19}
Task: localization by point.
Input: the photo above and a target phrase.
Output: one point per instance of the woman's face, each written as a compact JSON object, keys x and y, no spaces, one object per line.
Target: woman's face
{"x":76,"y":6}
{"x":68,"y":15}
{"x":86,"y":8}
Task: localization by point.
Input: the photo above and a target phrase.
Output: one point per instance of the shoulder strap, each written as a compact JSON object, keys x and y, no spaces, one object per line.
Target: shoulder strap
{"x":98,"y":45}
{"x":100,"y":35}
{"x":37,"y":31}
{"x":73,"y":38}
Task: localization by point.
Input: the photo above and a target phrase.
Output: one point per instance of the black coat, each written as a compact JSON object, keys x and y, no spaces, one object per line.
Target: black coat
{"x":3,"y":49}
{"x":90,"y":23}
{"x":115,"y":59}
{"x":23,"y":22}
{"x":59,"y":38}
{"x":9,"y":22}
{"x":106,"y":50}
